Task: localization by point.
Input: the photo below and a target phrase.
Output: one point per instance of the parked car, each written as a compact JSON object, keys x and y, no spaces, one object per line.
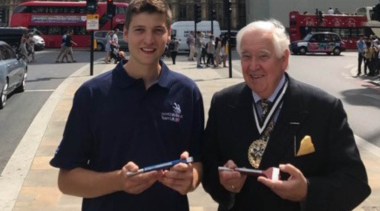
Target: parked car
{"x":319,"y":42}
{"x":12,"y":35}
{"x":101,"y":40}
{"x":13,"y":73}
{"x":233,"y":36}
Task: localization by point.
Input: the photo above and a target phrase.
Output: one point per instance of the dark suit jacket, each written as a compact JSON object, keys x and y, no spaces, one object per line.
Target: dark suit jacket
{"x":336,"y":174}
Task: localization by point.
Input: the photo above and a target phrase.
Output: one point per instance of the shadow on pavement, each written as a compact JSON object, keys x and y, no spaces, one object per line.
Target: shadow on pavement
{"x":366,"y":96}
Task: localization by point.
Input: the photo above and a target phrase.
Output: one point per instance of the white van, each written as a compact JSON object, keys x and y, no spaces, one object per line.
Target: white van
{"x":181,"y":29}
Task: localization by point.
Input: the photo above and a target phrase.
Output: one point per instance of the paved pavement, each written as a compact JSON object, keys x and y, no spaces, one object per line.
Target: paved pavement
{"x":29,"y":183}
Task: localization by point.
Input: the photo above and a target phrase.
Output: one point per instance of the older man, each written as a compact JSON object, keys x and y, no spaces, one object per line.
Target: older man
{"x":273,"y":120}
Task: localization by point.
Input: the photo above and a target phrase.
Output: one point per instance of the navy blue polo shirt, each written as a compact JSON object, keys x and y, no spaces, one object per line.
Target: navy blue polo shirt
{"x":114,"y":120}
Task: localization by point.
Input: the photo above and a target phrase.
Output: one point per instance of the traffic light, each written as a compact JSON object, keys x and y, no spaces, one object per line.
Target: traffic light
{"x":376,"y":13}
{"x":91,"y":6}
{"x":110,"y":9}
{"x":227,"y":6}
{"x":213,"y":15}
{"x":197,"y":13}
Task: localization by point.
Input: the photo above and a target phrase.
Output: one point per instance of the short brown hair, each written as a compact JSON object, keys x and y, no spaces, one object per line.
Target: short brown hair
{"x":149,"y":6}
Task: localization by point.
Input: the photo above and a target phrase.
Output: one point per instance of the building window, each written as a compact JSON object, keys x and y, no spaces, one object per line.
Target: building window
{"x":182,"y":12}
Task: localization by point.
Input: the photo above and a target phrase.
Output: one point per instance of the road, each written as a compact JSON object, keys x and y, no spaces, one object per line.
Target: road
{"x":44,"y":77}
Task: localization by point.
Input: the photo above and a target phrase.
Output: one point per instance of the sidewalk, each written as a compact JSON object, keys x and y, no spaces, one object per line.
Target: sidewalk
{"x":39,"y":188}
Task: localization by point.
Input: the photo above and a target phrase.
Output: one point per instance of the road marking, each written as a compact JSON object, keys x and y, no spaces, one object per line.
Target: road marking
{"x":40,"y":90}
{"x":17,"y":168}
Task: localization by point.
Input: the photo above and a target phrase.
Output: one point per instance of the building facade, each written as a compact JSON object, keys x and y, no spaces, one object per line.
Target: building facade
{"x":279,"y":9}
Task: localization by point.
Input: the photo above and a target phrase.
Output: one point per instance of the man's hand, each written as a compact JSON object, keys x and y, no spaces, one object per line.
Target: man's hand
{"x":232,"y":181}
{"x":294,"y":189}
{"x":179,"y":177}
{"x":138,"y":183}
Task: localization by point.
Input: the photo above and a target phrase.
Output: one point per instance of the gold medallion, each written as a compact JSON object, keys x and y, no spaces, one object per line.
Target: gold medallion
{"x":256,"y":151}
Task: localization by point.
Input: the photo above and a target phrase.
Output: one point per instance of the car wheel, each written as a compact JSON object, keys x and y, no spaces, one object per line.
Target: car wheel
{"x":302,"y":51}
{"x":336,"y":51}
{"x":22,"y":86}
{"x":3,"y":96}
{"x":99,"y":47}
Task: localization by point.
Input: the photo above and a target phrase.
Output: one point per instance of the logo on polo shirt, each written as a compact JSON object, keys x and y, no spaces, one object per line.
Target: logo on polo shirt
{"x":174,"y":116}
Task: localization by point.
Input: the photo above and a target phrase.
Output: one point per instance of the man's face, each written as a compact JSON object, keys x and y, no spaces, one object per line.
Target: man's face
{"x":262,"y":70}
{"x":147,"y":36}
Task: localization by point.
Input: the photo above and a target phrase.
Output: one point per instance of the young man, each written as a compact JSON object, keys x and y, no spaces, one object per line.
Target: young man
{"x":273,"y":120}
{"x":136,"y":115}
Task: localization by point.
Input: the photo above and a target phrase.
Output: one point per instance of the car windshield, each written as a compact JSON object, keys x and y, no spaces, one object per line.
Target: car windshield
{"x":307,"y":38}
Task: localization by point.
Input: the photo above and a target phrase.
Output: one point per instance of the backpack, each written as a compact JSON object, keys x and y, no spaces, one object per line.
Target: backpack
{"x":171,"y":46}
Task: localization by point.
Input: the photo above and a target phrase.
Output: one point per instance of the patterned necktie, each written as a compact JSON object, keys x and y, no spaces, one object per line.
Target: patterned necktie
{"x":257,"y":148}
{"x":264,"y":107}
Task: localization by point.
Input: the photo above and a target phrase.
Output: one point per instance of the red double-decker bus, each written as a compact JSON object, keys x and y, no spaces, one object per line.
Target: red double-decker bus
{"x":54,"y":18}
{"x":348,"y":27}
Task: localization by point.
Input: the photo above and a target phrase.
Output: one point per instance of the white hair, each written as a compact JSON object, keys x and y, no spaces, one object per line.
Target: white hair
{"x":280,"y":37}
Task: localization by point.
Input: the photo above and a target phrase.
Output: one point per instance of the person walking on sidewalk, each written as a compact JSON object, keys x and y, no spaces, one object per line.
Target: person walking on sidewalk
{"x":191,"y":43}
{"x":173,"y":48}
{"x":362,"y":47}
{"x":139,"y":114}
{"x":273,"y":120}
{"x":69,"y":49}
{"x":198,"y":46}
{"x":218,"y":47}
{"x":210,"y":51}
{"x":63,"y":47}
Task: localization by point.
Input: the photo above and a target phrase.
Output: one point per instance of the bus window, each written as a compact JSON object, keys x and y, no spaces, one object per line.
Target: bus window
{"x":335,"y":30}
{"x":344,"y":33}
{"x":354,"y":32}
{"x":120,"y":10}
{"x":21,"y":9}
{"x":54,"y":30}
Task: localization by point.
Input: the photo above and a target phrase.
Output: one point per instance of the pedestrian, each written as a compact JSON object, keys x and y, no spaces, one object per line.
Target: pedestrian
{"x":204,"y":49}
{"x":63,"y":47}
{"x":273,"y":120}
{"x":23,"y":47}
{"x":173,"y":47}
{"x":138,"y":114}
{"x":210,"y":51}
{"x":224,"y":50}
{"x":198,"y":47}
{"x":69,"y":49}
{"x":336,"y":11}
{"x":218,"y":47}
{"x":109,"y":37}
{"x":191,"y":43}
{"x":31,"y":47}
{"x":362,"y":47}
{"x":330,"y":11}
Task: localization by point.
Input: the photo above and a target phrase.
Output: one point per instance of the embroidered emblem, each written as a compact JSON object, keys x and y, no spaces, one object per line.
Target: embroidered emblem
{"x":177,"y":108}
{"x":174,"y":116}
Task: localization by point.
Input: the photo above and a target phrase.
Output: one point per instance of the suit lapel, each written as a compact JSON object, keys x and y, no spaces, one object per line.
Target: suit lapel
{"x":290,"y":119}
{"x":241,"y":116}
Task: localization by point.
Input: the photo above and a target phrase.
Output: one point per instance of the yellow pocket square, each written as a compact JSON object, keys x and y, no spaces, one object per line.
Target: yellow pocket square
{"x":306,"y":147}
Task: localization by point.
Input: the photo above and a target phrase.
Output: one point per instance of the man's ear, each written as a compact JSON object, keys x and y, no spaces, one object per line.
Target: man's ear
{"x":285,"y":59}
